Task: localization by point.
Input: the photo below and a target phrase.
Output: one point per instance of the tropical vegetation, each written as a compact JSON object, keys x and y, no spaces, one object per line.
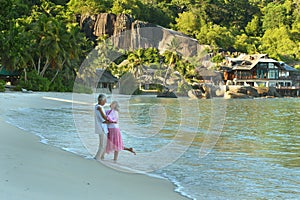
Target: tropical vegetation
{"x":43,"y":40}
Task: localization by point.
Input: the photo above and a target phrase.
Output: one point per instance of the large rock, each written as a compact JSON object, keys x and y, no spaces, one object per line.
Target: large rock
{"x":273,"y":92}
{"x":247,"y":90}
{"x":127,"y":33}
{"x":87,"y":24}
{"x":104,"y":24}
{"x":236,"y":95}
{"x":195,"y":94}
{"x":252,"y":92}
{"x":268,"y":91}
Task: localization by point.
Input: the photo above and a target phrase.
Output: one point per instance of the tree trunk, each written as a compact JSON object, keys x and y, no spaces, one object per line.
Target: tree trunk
{"x":45,"y":67}
{"x":33,"y":64}
{"x":39,"y":66}
{"x":166,"y":76}
{"x":54,"y":77}
{"x":25,"y":75}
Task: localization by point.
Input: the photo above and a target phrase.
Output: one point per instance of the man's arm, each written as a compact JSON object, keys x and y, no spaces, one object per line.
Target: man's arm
{"x":102,"y":114}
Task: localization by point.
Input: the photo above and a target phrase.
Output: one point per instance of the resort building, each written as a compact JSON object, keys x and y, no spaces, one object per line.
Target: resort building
{"x":259,"y":70}
{"x":106,"y":81}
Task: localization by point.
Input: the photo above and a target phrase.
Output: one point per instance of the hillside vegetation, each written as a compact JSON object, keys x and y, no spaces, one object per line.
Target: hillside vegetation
{"x":43,"y":39}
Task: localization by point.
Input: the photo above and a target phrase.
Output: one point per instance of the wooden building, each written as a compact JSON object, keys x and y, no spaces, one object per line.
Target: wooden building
{"x":259,"y":70}
{"x":106,"y":81}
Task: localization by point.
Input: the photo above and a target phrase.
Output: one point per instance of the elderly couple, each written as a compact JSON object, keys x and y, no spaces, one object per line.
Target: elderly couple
{"x":107,"y":127}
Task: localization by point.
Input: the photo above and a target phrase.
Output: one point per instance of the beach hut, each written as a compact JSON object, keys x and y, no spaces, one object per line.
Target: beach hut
{"x":9,"y":76}
{"x":106,"y":82}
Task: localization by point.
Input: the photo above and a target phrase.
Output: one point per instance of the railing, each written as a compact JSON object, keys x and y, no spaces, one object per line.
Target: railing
{"x":288,"y":87}
{"x":254,"y":78}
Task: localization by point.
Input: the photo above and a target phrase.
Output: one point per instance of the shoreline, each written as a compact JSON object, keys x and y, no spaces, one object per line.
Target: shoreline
{"x":30,"y":169}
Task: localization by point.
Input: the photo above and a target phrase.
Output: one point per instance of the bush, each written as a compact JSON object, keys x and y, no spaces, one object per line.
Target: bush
{"x":2,"y":86}
{"x":80,"y":88}
{"x":217,"y":59}
{"x":62,"y":84}
{"x":34,"y":82}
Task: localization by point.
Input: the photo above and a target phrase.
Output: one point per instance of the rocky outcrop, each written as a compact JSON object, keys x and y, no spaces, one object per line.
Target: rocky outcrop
{"x":236,"y":95}
{"x":127,"y":33}
{"x":250,"y":92}
{"x":206,"y":91}
{"x":246,"y":90}
{"x":104,"y":24}
{"x":268,"y":91}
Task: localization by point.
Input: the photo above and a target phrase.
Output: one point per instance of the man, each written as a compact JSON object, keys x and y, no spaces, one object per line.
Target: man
{"x":101,"y":126}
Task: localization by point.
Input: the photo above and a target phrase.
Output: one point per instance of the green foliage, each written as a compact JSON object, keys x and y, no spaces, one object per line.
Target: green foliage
{"x":187,"y":23}
{"x":134,"y":8}
{"x":246,"y":44}
{"x":88,"y":7}
{"x":253,"y":27}
{"x":297,"y":67}
{"x":43,"y":35}
{"x":81,"y":88}
{"x":231,"y":13}
{"x":216,"y":35}
{"x":274,"y":16}
{"x":2,"y":86}
{"x":217,"y":58}
{"x":35,"y":82}
{"x":278,"y":44}
{"x":62,"y":84}
{"x":159,"y":14}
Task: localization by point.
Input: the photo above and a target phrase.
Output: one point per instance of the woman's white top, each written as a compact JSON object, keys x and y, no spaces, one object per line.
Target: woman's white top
{"x":113,"y":115}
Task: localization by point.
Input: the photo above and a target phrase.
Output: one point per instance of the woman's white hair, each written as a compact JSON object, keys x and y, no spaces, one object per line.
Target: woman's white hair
{"x":117,"y":106}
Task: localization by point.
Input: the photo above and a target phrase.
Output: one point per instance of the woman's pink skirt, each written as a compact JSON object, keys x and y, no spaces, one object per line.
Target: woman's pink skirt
{"x":114,"y":140}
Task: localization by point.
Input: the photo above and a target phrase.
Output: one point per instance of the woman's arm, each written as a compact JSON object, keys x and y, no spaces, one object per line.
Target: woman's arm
{"x":113,"y":116}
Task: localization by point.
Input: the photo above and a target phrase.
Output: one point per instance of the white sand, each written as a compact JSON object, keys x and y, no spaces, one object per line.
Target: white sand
{"x":32,"y":170}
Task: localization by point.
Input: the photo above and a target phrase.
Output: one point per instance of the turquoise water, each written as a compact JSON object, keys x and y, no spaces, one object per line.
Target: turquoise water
{"x":210,"y":149}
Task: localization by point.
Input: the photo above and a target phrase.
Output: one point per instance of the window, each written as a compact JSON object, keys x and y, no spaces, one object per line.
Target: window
{"x":262,"y":69}
{"x":262,"y":66}
{"x":261,"y":73}
{"x":273,"y":74}
{"x":272,"y":66}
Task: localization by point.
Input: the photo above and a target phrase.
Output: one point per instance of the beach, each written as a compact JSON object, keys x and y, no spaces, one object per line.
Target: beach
{"x":32,"y":170}
{"x":47,"y":146}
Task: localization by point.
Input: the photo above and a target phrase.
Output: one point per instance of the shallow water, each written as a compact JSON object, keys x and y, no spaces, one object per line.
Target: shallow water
{"x":211,"y":149}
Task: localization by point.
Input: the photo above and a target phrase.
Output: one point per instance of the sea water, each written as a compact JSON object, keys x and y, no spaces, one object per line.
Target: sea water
{"x":210,"y":149}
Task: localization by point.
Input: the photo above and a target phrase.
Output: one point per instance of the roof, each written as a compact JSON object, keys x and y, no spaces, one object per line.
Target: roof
{"x":247,"y":62}
{"x":287,"y":67}
{"x":105,"y":76}
{"x":5,"y":72}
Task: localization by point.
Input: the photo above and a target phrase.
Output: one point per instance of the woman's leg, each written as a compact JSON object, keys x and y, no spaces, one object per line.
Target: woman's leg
{"x":130,"y":150}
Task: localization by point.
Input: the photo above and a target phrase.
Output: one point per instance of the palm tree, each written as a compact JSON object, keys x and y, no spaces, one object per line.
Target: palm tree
{"x":136,"y":62}
{"x":56,"y":42}
{"x":172,"y":56}
{"x":14,"y":47}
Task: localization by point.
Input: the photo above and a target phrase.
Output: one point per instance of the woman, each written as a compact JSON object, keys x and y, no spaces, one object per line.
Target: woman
{"x":114,"y":138}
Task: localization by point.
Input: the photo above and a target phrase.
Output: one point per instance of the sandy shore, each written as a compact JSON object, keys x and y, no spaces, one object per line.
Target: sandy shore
{"x":32,"y":170}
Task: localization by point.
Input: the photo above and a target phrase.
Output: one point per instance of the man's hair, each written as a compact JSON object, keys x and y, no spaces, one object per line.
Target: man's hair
{"x":101,"y":97}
